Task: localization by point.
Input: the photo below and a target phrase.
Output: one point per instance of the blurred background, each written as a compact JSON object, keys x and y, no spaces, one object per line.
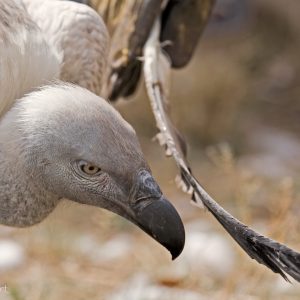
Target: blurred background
{"x":237,"y":103}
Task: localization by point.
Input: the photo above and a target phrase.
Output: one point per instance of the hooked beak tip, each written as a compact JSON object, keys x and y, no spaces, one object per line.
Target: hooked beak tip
{"x":162,"y":222}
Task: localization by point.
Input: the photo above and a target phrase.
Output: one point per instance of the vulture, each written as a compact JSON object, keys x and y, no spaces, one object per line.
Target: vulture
{"x":146,"y":38}
{"x":59,"y":140}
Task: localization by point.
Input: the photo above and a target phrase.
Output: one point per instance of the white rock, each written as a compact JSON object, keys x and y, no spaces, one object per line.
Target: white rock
{"x":11,"y":255}
{"x":140,"y":287}
{"x":117,"y":247}
{"x":207,"y":251}
{"x":174,"y":273}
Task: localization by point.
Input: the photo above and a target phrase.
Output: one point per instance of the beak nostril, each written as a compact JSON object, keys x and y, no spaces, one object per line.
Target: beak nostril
{"x":142,"y":202}
{"x":146,"y":187}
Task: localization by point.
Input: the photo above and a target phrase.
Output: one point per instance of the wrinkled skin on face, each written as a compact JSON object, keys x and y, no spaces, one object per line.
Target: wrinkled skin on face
{"x":74,"y":145}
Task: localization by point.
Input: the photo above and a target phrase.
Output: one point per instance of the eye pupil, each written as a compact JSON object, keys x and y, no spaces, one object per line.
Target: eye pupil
{"x":89,"y":169}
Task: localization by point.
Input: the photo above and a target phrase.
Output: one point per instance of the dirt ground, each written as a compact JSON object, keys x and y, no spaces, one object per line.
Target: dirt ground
{"x":238,"y":105}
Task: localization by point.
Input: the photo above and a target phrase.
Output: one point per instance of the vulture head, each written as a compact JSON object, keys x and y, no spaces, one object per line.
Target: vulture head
{"x":66,"y":142}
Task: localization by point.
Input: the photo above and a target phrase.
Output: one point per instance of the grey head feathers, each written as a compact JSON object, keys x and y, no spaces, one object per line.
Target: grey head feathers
{"x":62,"y":141}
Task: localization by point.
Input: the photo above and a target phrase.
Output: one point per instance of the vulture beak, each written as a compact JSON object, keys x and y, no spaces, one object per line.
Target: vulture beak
{"x":157,"y":216}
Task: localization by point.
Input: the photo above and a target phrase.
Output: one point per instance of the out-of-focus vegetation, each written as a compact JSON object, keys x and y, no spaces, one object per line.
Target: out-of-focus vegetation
{"x":238,"y":105}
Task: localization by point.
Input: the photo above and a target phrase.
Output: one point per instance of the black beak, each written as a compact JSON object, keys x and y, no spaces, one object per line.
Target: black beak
{"x":157,"y":216}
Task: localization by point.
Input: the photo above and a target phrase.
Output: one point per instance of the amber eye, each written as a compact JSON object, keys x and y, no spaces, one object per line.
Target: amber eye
{"x":89,"y":169}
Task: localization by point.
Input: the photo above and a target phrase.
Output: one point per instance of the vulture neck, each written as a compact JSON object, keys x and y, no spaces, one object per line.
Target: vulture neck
{"x":23,"y":201}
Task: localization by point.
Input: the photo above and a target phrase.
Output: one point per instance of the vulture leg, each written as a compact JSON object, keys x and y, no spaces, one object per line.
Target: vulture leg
{"x":278,"y":257}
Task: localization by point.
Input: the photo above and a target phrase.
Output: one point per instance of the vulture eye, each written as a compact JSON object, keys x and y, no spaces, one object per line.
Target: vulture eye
{"x":89,"y":169}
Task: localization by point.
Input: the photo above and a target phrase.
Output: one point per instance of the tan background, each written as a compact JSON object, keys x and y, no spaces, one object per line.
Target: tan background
{"x":238,"y":105}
